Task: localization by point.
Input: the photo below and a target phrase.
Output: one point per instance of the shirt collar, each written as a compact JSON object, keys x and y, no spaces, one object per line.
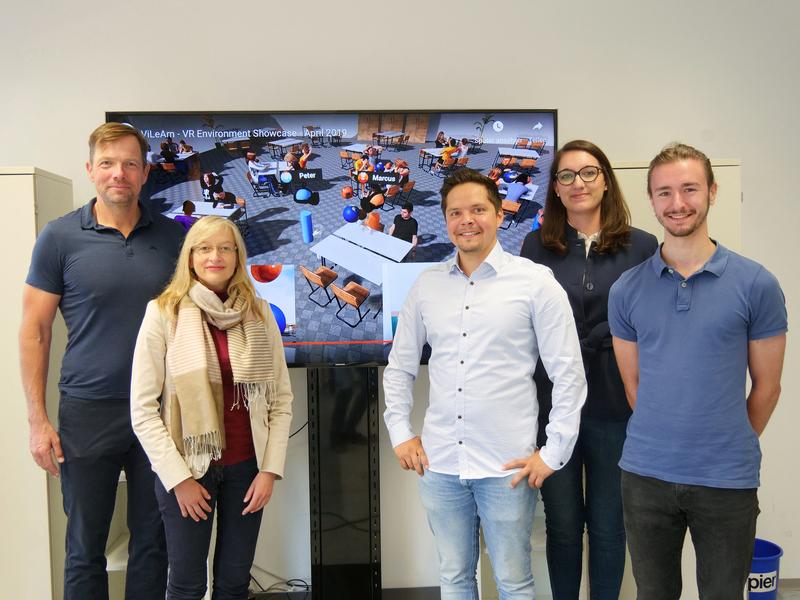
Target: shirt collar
{"x":574,"y":234}
{"x":715,"y":265}
{"x":89,"y":221}
{"x":589,"y":238}
{"x":495,"y":259}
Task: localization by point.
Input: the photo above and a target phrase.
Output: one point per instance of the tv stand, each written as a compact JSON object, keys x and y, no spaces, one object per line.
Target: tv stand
{"x":344,"y":483}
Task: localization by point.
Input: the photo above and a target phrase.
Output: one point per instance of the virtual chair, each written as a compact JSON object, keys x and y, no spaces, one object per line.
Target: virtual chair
{"x":538,"y":144}
{"x":521,"y":142}
{"x":445,"y":168}
{"x":510,"y":208}
{"x":526,"y":165}
{"x":391,"y":197}
{"x":352,"y":295}
{"x":231,"y":148}
{"x":516,"y":210}
{"x":314,"y":133}
{"x":241,"y":219}
{"x":260,"y":189}
{"x":405,"y":193}
{"x":422,"y":159}
{"x":402,"y":142}
{"x":319,"y":280}
{"x":475,"y":144}
{"x":167,"y":172}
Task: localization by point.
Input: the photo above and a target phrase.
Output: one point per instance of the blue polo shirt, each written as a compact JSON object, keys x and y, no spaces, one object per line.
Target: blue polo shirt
{"x":105,"y":282}
{"x":690,"y":423}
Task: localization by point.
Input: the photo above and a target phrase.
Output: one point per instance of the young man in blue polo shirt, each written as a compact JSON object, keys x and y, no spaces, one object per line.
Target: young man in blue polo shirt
{"x":688,"y":324}
{"x":99,"y":265}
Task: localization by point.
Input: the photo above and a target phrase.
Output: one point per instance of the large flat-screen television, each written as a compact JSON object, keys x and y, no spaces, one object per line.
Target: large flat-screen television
{"x":317,"y":195}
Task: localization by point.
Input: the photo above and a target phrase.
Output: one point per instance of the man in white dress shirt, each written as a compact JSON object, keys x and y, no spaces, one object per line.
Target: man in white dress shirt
{"x":488,"y":316}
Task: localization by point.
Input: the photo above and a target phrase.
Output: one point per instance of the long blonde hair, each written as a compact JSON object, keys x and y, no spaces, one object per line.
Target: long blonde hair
{"x":184,"y":277}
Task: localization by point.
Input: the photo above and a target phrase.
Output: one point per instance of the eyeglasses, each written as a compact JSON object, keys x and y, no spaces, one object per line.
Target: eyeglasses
{"x":587,"y":174}
{"x":203,"y":250}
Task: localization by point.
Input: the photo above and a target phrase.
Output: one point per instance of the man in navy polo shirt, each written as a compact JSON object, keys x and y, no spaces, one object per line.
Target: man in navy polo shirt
{"x":688,"y":324}
{"x":99,"y":265}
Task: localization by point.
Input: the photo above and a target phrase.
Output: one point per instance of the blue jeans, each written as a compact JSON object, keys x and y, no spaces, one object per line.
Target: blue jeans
{"x":722,"y":523}
{"x":98,"y":443}
{"x":188,"y":542}
{"x":456,"y":508}
{"x":568,"y":507}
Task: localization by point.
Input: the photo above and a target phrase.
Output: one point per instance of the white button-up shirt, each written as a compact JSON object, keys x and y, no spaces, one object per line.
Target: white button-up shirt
{"x":486,"y":333}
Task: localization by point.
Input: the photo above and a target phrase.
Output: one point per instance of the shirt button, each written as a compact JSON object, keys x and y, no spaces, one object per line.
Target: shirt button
{"x":460,"y":442}
{"x":466,"y":307}
{"x":671,"y":271}
{"x":683,"y":284}
{"x":462,"y":362}
{"x":459,"y":389}
{"x":472,"y":283}
{"x":561,"y":464}
{"x":589,"y":286}
{"x":464,"y":334}
{"x":459,"y":416}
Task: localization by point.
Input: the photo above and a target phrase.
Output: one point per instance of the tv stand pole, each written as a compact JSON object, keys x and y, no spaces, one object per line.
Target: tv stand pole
{"x":344,"y":482}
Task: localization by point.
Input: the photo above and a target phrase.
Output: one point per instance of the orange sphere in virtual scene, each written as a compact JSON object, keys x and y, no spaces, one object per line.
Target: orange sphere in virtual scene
{"x":347,"y":192}
{"x":363,"y":177}
{"x":266,"y":273}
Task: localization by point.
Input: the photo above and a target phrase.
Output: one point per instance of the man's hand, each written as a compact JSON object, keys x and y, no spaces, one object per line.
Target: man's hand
{"x":192,"y":497}
{"x":534,"y":468}
{"x":412,"y":456}
{"x":46,"y":445}
{"x":259,"y":492}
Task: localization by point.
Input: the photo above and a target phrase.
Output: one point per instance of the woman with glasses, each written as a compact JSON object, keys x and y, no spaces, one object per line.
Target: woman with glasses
{"x":211,"y":406}
{"x":587,"y":241}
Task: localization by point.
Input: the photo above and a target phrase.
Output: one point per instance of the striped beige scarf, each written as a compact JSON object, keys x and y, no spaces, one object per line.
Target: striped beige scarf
{"x":196,"y":421}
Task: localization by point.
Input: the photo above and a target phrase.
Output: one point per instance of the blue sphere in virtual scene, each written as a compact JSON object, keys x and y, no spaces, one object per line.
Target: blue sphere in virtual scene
{"x":302,"y":195}
{"x":379,"y":167}
{"x":510,"y":176}
{"x":280,"y":318}
{"x":350,"y":214}
{"x":286,"y":177}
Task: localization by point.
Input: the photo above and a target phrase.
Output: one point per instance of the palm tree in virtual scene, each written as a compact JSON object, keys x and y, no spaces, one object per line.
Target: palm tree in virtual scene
{"x":480,"y":125}
{"x":209,"y":122}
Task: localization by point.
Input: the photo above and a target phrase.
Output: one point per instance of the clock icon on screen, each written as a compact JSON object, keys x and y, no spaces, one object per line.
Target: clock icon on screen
{"x":497,"y":126}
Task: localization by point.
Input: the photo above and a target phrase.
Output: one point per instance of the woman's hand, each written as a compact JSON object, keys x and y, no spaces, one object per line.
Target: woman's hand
{"x":259,"y":492}
{"x":191,"y":497}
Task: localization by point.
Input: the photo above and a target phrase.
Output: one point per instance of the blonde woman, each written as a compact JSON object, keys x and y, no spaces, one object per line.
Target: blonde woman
{"x":211,"y":406}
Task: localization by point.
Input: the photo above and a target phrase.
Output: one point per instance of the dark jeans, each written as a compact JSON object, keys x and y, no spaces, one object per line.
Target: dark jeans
{"x":98,"y":443}
{"x":568,"y":507}
{"x":188,"y":542}
{"x":722,"y":523}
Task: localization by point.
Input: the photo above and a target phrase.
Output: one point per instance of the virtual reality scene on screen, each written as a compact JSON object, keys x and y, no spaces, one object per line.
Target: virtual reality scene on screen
{"x":341,"y":211}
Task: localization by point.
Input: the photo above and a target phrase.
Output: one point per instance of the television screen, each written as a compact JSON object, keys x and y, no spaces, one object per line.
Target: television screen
{"x":341,"y":210}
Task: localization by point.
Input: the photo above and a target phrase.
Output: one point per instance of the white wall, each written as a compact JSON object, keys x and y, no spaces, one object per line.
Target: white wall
{"x":630,"y":76}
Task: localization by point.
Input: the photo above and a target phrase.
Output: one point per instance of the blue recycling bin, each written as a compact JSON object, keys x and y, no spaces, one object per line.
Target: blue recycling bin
{"x":762,"y":583}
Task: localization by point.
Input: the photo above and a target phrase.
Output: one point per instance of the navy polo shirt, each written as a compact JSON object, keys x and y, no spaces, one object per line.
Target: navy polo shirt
{"x":690,"y":423}
{"x":105,"y":282}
